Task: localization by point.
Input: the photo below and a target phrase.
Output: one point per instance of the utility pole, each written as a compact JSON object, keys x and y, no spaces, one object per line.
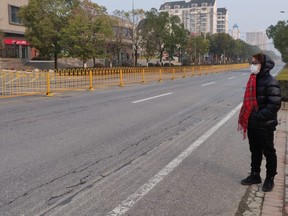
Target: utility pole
{"x":133,"y":35}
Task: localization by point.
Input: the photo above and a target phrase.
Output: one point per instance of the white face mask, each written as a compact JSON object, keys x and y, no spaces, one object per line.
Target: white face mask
{"x":254,"y":69}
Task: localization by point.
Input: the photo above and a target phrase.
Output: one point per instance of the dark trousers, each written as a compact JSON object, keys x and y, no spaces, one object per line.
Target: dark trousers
{"x":261,"y":141}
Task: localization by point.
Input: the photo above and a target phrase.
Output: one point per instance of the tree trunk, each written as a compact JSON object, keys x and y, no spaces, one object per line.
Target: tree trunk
{"x":110,"y":63}
{"x":147,"y":62}
{"x":55,"y":60}
{"x":118,"y":58}
{"x":135,"y":58}
{"x":161,"y":56}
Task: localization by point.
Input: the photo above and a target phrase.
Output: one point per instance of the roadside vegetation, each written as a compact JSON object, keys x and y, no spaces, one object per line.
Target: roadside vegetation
{"x":84,"y":30}
{"x":283,"y":75}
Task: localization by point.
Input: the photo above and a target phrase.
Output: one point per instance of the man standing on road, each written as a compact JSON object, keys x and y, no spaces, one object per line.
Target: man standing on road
{"x":258,"y":115}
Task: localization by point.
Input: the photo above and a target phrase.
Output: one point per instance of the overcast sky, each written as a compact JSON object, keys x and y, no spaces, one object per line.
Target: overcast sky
{"x":250,"y":15}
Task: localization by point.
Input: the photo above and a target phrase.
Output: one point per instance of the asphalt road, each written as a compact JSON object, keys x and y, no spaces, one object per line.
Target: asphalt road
{"x":151,"y":149}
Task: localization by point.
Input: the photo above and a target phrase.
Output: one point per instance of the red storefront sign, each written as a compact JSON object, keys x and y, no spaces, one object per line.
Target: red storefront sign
{"x":17,"y":42}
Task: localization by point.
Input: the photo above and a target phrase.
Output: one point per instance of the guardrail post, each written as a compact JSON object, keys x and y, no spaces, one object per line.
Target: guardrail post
{"x":121,"y":78}
{"x":3,"y":76}
{"x":184,"y":70}
{"x":48,"y":80}
{"x":91,"y":81}
{"x":173,"y":74}
{"x":143,"y":76}
{"x":160,"y":75}
{"x":193,"y":71}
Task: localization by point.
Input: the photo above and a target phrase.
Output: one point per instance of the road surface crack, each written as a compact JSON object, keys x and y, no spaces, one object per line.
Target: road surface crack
{"x":82,"y":181}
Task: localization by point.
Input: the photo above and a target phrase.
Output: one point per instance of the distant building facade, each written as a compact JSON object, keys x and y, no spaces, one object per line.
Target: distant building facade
{"x":257,"y":38}
{"x":121,"y":47}
{"x":13,"y":43}
{"x":222,"y":20}
{"x":235,"y":33}
{"x":198,"y":16}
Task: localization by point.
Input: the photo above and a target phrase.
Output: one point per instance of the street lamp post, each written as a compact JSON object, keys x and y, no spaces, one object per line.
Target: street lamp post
{"x":133,"y":36}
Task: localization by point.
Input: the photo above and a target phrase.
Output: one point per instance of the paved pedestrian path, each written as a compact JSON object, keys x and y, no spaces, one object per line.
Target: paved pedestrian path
{"x":274,"y":203}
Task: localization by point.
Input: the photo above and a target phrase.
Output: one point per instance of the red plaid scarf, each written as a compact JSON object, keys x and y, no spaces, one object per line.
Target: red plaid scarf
{"x":249,"y":105}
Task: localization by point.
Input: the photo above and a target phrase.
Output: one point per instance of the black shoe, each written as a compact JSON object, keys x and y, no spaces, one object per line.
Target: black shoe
{"x":268,"y":184}
{"x":253,"y":178}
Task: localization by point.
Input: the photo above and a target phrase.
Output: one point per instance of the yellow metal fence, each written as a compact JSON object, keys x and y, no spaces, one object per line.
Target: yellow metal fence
{"x":17,"y":83}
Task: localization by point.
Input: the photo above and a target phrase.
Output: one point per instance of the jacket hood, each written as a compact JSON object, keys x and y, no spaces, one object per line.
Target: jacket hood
{"x":267,"y":65}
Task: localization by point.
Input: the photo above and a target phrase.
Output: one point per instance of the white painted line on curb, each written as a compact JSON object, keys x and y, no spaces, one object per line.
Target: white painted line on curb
{"x":144,"y":189}
{"x":232,"y":77}
{"x":208,"y":84}
{"x":150,"y":98}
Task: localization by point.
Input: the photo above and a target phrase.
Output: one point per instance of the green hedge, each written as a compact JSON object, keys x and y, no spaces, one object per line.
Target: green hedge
{"x":283,"y":81}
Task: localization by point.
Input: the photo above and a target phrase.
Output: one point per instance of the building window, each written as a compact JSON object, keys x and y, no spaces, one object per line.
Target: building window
{"x":204,"y":4}
{"x":126,"y":33}
{"x":176,"y":6}
{"x":194,"y":5}
{"x":167,"y":7}
{"x":13,"y":15}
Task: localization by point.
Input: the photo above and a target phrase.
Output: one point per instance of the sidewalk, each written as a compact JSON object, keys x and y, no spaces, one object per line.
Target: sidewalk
{"x":274,"y":203}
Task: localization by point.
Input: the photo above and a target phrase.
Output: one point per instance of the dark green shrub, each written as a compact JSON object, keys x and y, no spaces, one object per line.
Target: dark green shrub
{"x":126,"y":64}
{"x":98,"y":65}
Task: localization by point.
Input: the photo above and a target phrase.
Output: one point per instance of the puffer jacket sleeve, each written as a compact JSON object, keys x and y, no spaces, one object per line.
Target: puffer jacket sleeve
{"x":272,"y":103}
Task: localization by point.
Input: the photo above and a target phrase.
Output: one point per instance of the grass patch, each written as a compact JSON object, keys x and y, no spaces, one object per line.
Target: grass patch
{"x":283,"y":75}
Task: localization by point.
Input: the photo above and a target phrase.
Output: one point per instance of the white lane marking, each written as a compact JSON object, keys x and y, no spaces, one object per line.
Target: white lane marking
{"x":152,"y":182}
{"x":150,"y":98}
{"x":244,"y":74}
{"x":208,"y":84}
{"x":231,"y":77}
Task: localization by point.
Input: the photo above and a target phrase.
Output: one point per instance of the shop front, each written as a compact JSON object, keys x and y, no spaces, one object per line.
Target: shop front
{"x":15,"y":48}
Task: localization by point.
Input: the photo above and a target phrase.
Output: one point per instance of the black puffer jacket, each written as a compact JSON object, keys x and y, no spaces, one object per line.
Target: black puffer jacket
{"x":268,"y":98}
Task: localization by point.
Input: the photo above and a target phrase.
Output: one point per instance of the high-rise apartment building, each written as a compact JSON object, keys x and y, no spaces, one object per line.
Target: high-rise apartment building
{"x":257,"y":38}
{"x":222,"y":20}
{"x":198,"y":16}
{"x":13,"y":43}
